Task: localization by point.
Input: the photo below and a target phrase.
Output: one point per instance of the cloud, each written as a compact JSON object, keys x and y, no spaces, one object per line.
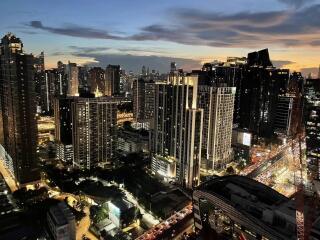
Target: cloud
{"x":140,"y":50}
{"x":88,"y":50}
{"x":298,"y":27}
{"x":135,"y":62}
{"x":311,"y":70}
{"x":281,"y":63}
{"x":74,"y":31}
{"x":293,"y":27}
{"x":296,"y":3}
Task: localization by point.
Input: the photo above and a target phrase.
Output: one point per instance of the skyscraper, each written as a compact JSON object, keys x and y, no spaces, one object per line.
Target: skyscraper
{"x":282,"y":121}
{"x":312,"y":125}
{"x":138,"y":92}
{"x":72,"y":74}
{"x":61,"y":80}
{"x":97,"y":80}
{"x":112,"y":80}
{"x":295,"y":89}
{"x":218,"y":105}
{"x":18,"y":108}
{"x":93,"y":131}
{"x":143,"y":92}
{"x":40,"y":82}
{"x":63,"y":128}
{"x":149,"y":96}
{"x":177,"y":131}
{"x":259,"y":91}
{"x":83,"y":76}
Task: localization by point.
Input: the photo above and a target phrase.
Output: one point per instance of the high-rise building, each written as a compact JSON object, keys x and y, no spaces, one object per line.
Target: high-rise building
{"x":259,"y":91}
{"x":40,"y":82}
{"x":61,"y":80}
{"x":218,"y":105}
{"x":138,"y":94}
{"x":97,"y":80}
{"x":83,"y":76}
{"x":51,"y":89}
{"x":177,"y":131}
{"x":312,"y":125}
{"x":282,"y":121}
{"x":63,"y":128}
{"x":93,"y":131}
{"x":112,"y":80}
{"x":18,"y":108}
{"x":149,"y":96}
{"x":143,"y":92}
{"x":72,"y":74}
{"x":225,"y":74}
{"x":173,"y":67}
{"x":295,"y":89}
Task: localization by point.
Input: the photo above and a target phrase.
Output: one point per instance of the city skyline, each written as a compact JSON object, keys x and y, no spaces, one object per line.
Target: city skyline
{"x":139,"y":33}
{"x":147,"y":120}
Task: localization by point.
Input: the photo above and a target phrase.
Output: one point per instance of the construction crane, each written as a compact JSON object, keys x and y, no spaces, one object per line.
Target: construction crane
{"x":306,"y":198}
{"x":299,"y":197}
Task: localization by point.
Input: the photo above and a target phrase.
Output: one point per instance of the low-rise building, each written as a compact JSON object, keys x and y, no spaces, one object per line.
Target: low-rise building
{"x":238,"y":207}
{"x":165,"y":167}
{"x":132,"y":141}
{"x":121,"y":212}
{"x":61,"y":222}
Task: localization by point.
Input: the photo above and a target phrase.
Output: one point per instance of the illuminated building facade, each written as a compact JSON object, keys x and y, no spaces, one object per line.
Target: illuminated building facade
{"x":138,"y":94}
{"x":72,"y":74}
{"x":18,"y":108}
{"x":143,"y":93}
{"x":93,"y":131}
{"x":312,"y":125}
{"x":218,"y":106}
{"x":149,"y":100}
{"x":178,"y":130}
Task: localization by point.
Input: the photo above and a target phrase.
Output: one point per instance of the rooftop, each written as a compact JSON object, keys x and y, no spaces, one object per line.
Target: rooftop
{"x":61,"y":214}
{"x":256,"y":201}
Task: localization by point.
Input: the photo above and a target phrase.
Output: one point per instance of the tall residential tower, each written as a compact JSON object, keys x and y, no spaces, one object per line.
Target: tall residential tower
{"x":18,"y":108}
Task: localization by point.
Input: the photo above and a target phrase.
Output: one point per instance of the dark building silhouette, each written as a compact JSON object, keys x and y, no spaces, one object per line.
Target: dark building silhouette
{"x":83,"y":76}
{"x":18,"y":108}
{"x":40,"y":82}
{"x":260,"y":58}
{"x":282,"y":122}
{"x":295,"y":89}
{"x":97,"y":79}
{"x":112,"y":80}
{"x":63,"y":128}
{"x":261,"y":85}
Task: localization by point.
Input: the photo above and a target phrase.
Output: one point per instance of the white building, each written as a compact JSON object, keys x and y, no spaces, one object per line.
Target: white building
{"x":218,"y":105}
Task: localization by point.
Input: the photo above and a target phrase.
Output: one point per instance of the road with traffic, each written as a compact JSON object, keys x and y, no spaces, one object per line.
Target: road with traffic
{"x":165,"y":229}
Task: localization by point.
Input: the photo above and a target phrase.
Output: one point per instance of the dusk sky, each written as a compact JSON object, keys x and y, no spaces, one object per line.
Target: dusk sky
{"x":133,"y":33}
